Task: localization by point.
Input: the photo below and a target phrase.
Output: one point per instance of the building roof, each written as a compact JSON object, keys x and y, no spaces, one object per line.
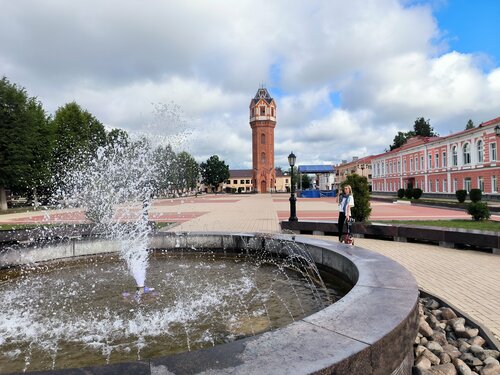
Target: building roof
{"x":240,"y":173}
{"x":263,"y":94}
{"x":316,"y":169}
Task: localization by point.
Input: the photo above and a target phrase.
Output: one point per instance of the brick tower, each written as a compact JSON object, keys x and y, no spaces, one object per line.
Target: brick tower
{"x":262,"y":122}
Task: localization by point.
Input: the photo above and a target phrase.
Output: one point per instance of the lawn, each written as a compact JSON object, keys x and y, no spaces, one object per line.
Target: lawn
{"x":463,"y":224}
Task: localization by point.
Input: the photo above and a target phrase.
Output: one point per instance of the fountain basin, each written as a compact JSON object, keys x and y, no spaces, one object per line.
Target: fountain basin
{"x":369,"y":331}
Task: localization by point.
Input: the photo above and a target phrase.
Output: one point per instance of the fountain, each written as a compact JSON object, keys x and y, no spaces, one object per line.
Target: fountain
{"x":222,"y":302}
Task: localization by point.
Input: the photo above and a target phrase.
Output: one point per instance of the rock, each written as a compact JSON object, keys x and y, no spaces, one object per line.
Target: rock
{"x":490,"y":360}
{"x":437,"y":314}
{"x":444,"y":358}
{"x":446,"y":369}
{"x":478,"y":340}
{"x":423,"y":363}
{"x":490,"y":370}
{"x":439,"y":337}
{"x":432,"y":304}
{"x":452,"y":351}
{"x":423,"y":341}
{"x":475,"y":349}
{"x":447,"y":313}
{"x":431,"y":356}
{"x":470,"y":360}
{"x":464,"y":347}
{"x":417,"y":340}
{"x":433,"y":322}
{"x":419,"y":350}
{"x":492,"y":353}
{"x":458,"y":324}
{"x":424,"y":328}
{"x":434,"y":347}
{"x":471,"y":332}
{"x":462,"y":368}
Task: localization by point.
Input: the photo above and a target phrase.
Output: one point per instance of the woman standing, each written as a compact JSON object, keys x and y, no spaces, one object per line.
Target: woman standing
{"x":346,"y":201}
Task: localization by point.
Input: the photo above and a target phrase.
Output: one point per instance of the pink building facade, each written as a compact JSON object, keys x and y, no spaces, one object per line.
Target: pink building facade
{"x":442,"y":165}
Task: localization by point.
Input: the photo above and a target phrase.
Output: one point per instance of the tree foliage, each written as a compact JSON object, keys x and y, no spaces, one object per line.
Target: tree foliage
{"x":306,"y":181}
{"x":78,"y":136}
{"x":359,"y":184}
{"x":25,"y":142}
{"x":469,"y":125}
{"x":214,"y":171}
{"x":421,"y":127}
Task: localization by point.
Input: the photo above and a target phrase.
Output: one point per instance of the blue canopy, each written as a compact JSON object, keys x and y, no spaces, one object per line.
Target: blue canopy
{"x":316,"y":169}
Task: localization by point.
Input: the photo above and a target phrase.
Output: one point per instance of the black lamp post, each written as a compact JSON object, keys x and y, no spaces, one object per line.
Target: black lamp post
{"x":497,"y":131}
{"x":293,"y":200}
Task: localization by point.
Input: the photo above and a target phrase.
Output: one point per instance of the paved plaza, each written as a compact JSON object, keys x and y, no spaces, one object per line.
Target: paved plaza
{"x":470,"y":280}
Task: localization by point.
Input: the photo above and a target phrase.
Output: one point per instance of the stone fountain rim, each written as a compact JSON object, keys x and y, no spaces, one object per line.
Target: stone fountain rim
{"x":356,"y":332}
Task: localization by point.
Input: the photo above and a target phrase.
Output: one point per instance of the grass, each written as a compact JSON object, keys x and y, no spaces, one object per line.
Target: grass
{"x":463,"y":224}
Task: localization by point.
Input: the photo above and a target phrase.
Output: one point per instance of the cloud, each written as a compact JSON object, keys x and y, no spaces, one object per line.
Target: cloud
{"x":386,"y":62}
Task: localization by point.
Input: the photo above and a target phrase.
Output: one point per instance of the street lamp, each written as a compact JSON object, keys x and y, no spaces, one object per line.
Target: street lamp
{"x":293,"y":201}
{"x":497,"y":132}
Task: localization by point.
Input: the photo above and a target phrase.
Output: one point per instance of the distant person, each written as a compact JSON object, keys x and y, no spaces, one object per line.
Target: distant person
{"x":346,"y":201}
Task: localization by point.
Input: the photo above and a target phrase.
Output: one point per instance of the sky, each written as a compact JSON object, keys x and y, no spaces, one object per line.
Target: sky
{"x":346,"y":75}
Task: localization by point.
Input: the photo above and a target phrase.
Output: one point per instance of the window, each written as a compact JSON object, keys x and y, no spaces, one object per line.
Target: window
{"x":466,"y":154}
{"x":454,"y":156}
{"x":247,"y":181}
{"x":480,"y":183}
{"x":422,"y":167}
{"x":411,"y":165}
{"x":480,"y":151}
{"x":404,"y":165}
{"x":253,"y":112}
{"x":242,"y":182}
{"x":263,"y":158}
{"x":430,"y":186}
{"x":262,"y":111}
{"x":286,"y":180}
{"x":235,"y":182}
{"x":493,"y":151}
{"x":436,"y":160}
{"x":494,"y":184}
{"x":444,"y":160}
{"x":272,"y":111}
{"x":445,"y":186}
{"x":455,"y":185}
{"x":437,"y":186}
{"x":399,"y":166}
{"x":416,"y":163}
{"x":467,"y":184}
{"x":390,"y":167}
{"x":429,"y":166}
{"x":263,"y":139}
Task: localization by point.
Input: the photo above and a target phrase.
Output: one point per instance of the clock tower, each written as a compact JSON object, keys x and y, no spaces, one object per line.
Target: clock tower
{"x":262,"y":122}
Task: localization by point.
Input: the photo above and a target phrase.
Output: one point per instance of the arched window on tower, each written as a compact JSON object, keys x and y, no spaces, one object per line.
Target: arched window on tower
{"x":263,"y":139}
{"x":253,"y":112}
{"x":262,"y":111}
{"x":263,"y":158}
{"x":272,"y":111}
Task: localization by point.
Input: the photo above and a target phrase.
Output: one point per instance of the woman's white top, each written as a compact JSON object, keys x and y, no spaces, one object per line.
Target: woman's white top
{"x":346,"y":201}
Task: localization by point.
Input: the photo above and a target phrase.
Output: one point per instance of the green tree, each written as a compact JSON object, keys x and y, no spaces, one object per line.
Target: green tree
{"x":469,"y":125}
{"x":359,"y":184}
{"x":189,"y":171}
{"x":214,"y":171}
{"x":165,"y":169}
{"x":400,"y":139}
{"x":78,"y":136}
{"x":306,"y":181}
{"x":25,"y":142}
{"x":422,"y":127}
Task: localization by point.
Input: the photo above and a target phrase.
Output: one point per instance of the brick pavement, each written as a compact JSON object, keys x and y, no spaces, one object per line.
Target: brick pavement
{"x":469,"y":280}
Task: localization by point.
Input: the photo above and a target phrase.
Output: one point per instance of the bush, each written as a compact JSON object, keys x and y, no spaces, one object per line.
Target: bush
{"x":361,"y":210}
{"x":461,"y":195}
{"x":409,"y":193}
{"x":401,"y":193}
{"x":478,"y":210}
{"x":475,"y":195}
{"x":417,"y":193}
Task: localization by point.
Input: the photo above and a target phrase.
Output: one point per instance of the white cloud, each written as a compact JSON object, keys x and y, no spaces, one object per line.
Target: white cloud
{"x":387,"y":60}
